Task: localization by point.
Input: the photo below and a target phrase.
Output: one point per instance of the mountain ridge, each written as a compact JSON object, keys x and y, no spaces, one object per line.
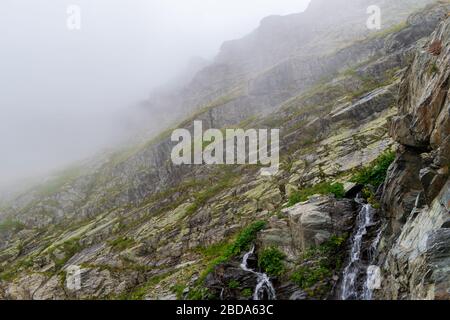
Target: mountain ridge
{"x":140,"y":227}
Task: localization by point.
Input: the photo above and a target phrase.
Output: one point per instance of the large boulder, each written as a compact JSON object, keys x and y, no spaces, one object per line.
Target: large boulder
{"x":309,"y":224}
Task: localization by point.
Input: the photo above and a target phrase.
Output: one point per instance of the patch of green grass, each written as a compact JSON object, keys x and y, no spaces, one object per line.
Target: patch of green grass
{"x":306,"y":277}
{"x":376,"y":172}
{"x":245,"y":238}
{"x":140,"y":292}
{"x":394,"y":29}
{"x":328,"y":248}
{"x":322,"y":188}
{"x":433,"y":69}
{"x":202,"y":197}
{"x":369,"y":84}
{"x":233,"y":284}
{"x":241,"y":243}
{"x":8,"y":276}
{"x":70,"y":248}
{"x":178,"y":289}
{"x":11,"y":225}
{"x":213,"y":250}
{"x":271,"y":261}
{"x":247,"y":293}
{"x":318,"y":264}
{"x":121,"y":243}
{"x":369,"y":195}
{"x":200,"y":293}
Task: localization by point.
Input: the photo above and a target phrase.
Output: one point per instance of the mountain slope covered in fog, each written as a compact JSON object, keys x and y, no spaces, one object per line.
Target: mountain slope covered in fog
{"x":140,"y":227}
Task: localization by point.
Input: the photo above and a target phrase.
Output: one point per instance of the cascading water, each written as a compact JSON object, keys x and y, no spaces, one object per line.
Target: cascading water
{"x":373,"y":281}
{"x":264,"y":287}
{"x":351,"y":271}
{"x":373,"y":278}
{"x":358,"y":277}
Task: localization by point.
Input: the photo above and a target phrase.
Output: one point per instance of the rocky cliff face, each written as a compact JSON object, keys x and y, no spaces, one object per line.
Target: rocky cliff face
{"x":139,"y":227}
{"x":417,"y":192}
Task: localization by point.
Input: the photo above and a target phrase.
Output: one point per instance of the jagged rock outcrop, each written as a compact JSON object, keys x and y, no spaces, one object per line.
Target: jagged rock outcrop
{"x":310,"y":224}
{"x":295,"y":231}
{"x":142,"y":228}
{"x":415,"y":255}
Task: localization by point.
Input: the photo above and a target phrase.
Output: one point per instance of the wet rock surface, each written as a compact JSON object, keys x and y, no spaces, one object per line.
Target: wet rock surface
{"x":415,"y":265}
{"x":141,"y":228}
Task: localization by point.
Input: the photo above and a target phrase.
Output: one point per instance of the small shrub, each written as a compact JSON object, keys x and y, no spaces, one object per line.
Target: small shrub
{"x":122,"y":243}
{"x":376,"y":172}
{"x":319,"y":264}
{"x":233,"y":284}
{"x":433,"y":69}
{"x":178,"y":289}
{"x":247,"y":293}
{"x":306,"y":277}
{"x":242,"y":242}
{"x":213,"y":250}
{"x":271,"y":261}
{"x":246,"y":237}
{"x":200,"y":293}
{"x":369,"y":195}
{"x":70,"y":248}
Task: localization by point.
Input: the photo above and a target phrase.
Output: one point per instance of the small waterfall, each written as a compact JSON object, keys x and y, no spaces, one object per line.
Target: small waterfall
{"x":353,"y":286}
{"x":350,"y":275}
{"x":373,"y":281}
{"x":264,"y":287}
{"x":375,"y":243}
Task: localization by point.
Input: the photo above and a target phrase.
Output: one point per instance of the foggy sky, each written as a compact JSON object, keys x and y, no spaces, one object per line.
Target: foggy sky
{"x":62,"y":93}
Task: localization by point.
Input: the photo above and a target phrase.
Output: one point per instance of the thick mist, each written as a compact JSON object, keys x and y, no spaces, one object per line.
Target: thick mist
{"x":68,"y":94}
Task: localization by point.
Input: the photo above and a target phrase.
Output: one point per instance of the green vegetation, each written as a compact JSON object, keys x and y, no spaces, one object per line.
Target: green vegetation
{"x":369,"y":195}
{"x":8,"y":275}
{"x":246,"y":237}
{"x":218,"y":102}
{"x":322,"y":188}
{"x":233,"y":284}
{"x":70,"y":248}
{"x":212,"y":250}
{"x":375,"y":173}
{"x":271,"y":261}
{"x":306,"y":277}
{"x":121,"y":243}
{"x":178,"y":289}
{"x":433,"y":69}
{"x":200,"y":293}
{"x":11,"y":225}
{"x":247,"y":293}
{"x":394,"y":29}
{"x":318,"y":264}
{"x":10,"y":271}
{"x":140,"y":292}
{"x":369,"y":84}
{"x":61,"y":179}
{"x":202,"y":197}
{"x":226,"y":252}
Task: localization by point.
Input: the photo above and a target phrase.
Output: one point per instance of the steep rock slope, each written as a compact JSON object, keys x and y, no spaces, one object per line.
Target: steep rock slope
{"x":140,"y":227}
{"x":417,"y":193}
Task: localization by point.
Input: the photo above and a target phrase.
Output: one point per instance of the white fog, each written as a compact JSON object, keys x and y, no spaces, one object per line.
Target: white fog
{"x":67,"y":95}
